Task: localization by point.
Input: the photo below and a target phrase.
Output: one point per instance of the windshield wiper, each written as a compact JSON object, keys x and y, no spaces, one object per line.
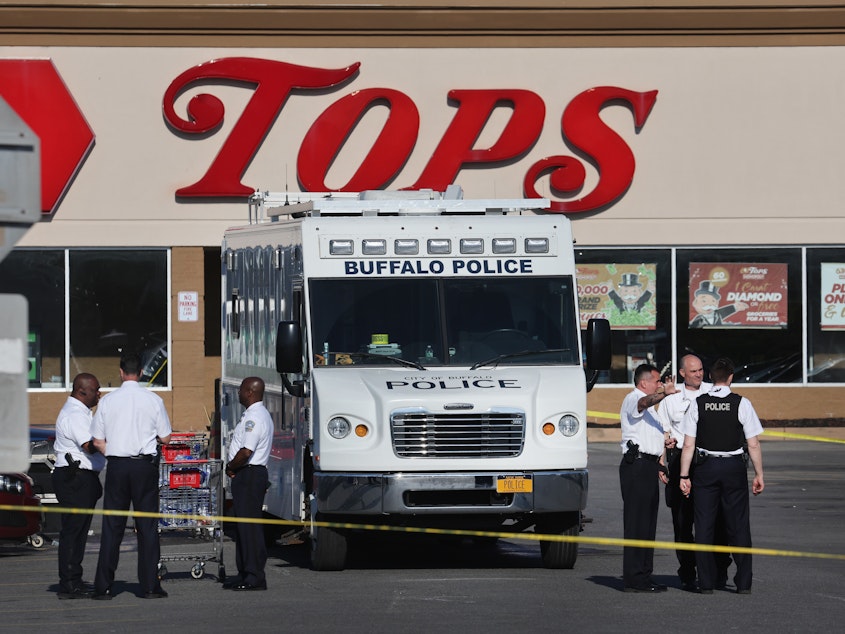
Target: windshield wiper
{"x":509,"y":355}
{"x":399,"y":360}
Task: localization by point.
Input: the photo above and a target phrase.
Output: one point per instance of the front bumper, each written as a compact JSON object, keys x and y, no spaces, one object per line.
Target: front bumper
{"x":448,"y":493}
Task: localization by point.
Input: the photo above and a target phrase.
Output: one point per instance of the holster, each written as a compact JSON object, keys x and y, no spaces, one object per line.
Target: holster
{"x":72,"y":467}
{"x":632,"y":453}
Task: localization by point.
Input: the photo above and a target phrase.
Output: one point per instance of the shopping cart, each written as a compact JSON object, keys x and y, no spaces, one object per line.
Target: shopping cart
{"x":190,"y":493}
{"x":42,"y":461}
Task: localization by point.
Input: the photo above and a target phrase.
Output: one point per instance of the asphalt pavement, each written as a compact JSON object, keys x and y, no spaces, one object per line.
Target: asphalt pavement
{"x":428,"y":583}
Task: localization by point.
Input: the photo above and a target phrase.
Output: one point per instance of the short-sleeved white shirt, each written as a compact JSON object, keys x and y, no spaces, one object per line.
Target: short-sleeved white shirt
{"x":671,"y":409}
{"x":129,"y":420}
{"x":255,"y":432}
{"x":73,"y":429}
{"x":642,"y":428}
{"x":751,"y":425}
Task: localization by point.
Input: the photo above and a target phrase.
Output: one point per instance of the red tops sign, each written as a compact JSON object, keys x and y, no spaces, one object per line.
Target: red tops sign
{"x":275,"y":82}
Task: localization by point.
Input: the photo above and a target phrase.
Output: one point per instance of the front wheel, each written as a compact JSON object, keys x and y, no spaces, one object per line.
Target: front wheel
{"x":559,"y":554}
{"x":328,"y":547}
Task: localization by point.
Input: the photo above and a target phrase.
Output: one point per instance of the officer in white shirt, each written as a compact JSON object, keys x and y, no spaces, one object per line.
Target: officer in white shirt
{"x":671,"y":412}
{"x":717,"y":427}
{"x":76,"y":481}
{"x":249,"y":452}
{"x":640,"y":474}
{"x":129,"y":425}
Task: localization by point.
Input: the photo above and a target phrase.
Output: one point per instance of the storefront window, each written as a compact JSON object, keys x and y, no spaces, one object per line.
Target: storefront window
{"x":39,"y":275}
{"x":826,"y":315}
{"x":112,"y":300}
{"x":744,"y":304}
{"x":632,"y":289}
{"x":118,"y":301}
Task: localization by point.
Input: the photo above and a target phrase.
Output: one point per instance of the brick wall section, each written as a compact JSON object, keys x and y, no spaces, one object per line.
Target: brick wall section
{"x":192,"y":397}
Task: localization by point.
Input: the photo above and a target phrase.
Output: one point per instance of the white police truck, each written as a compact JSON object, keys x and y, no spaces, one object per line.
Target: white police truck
{"x":423,"y":363}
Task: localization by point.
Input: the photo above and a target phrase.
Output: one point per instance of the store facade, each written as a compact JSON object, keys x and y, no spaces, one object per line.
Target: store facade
{"x":700,"y":169}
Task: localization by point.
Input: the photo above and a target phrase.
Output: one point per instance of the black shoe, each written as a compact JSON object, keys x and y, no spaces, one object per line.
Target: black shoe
{"x":689,"y":586}
{"x":231,"y":583}
{"x":75,"y":593}
{"x":158,"y":593}
{"x":705,"y":591}
{"x":743,"y":590}
{"x":249,"y":586}
{"x":648,"y":588}
{"x":102,"y":596}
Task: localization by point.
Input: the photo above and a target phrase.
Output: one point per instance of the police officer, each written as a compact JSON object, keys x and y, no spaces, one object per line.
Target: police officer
{"x":248,"y":455}
{"x":718,"y":428}
{"x":640,"y":474}
{"x":127,"y":427}
{"x":76,"y":481}
{"x":671,"y":412}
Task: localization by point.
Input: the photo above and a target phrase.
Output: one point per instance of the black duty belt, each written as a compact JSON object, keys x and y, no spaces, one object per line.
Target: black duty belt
{"x":648,"y":456}
{"x":141,"y":456}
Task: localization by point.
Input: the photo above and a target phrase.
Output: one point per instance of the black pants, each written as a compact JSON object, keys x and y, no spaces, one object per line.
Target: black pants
{"x":248,"y":488}
{"x":640,"y":502}
{"x":74,"y":488}
{"x":136,"y":481}
{"x":682,"y":524}
{"x":721,"y":484}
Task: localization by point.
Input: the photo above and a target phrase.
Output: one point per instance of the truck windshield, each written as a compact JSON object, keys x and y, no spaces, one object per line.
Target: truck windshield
{"x":444,"y":321}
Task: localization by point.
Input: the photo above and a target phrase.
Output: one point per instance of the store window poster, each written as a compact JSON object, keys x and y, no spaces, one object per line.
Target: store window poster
{"x":737,"y":295}
{"x":833,"y":296}
{"x":621,"y":293}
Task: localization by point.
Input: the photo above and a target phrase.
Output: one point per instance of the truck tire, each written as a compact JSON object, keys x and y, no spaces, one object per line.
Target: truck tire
{"x":328,"y":548}
{"x":556,"y":554}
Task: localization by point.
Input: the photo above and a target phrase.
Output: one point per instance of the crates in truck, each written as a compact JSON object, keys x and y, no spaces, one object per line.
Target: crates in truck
{"x":422,"y":356}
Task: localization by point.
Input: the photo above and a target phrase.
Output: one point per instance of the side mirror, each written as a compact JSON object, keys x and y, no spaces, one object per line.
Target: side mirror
{"x":289,"y":347}
{"x":598,"y":349}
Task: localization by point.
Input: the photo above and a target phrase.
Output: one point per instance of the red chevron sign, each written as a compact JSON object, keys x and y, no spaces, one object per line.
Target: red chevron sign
{"x":35,"y":90}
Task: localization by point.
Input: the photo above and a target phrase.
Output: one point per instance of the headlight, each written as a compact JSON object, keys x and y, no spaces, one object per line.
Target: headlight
{"x":568,"y":425}
{"x":339,"y":427}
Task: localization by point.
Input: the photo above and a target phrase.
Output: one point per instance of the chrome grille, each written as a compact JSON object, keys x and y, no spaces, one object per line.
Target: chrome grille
{"x":420,"y":434}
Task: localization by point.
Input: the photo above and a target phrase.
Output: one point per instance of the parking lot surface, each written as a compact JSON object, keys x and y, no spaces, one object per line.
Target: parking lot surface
{"x":426,"y":583}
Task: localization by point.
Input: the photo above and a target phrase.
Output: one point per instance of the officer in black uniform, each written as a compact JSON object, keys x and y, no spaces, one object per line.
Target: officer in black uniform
{"x":716,"y":431}
{"x":671,"y":414}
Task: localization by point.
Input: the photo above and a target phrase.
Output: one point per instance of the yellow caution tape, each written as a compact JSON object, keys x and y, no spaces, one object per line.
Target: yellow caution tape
{"x":609,"y":415}
{"x":786,"y":434}
{"x":766,"y":432}
{"x":215,"y":521}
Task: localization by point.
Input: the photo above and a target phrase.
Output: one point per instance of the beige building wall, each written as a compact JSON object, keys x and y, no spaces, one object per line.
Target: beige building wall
{"x":421,"y":24}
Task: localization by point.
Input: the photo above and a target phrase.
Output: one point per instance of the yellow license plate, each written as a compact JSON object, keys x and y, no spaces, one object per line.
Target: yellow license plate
{"x":514,"y":484}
